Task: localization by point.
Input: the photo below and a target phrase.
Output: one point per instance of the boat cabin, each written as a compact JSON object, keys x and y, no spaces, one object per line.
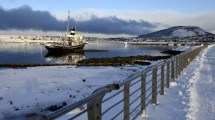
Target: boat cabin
{"x":72,"y":31}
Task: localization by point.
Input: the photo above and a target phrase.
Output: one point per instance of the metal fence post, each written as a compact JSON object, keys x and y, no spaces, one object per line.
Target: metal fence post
{"x":172,"y":70}
{"x":143,"y":91}
{"x":188,"y":57}
{"x":176,"y":66}
{"x":192,"y":55}
{"x":127,"y":101}
{"x":95,"y":108}
{"x":168,"y":75}
{"x":162,"y":80}
{"x":180,"y":64}
{"x":154,"y":86}
{"x":186,"y":60}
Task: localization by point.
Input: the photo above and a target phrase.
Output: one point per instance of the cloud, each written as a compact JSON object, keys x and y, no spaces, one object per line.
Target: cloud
{"x":115,"y":25}
{"x":24,"y":18}
{"x":165,"y":18}
{"x":205,"y":20}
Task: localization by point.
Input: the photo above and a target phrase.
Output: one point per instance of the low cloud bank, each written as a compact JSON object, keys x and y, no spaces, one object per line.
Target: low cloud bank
{"x":24,"y":18}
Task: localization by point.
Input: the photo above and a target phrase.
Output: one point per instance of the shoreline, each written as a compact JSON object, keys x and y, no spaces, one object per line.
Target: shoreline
{"x":111,"y":61}
{"x":107,"y":61}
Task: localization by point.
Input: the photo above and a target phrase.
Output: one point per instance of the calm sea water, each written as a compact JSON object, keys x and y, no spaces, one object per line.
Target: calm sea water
{"x":25,"y":53}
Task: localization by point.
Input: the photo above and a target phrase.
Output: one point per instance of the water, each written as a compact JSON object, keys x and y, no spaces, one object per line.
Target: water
{"x":26,"y":53}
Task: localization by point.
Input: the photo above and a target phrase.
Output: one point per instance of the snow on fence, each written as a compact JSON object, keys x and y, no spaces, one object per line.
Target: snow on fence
{"x":128,"y":99}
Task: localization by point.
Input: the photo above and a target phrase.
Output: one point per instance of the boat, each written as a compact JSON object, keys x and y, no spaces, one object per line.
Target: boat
{"x":74,"y":42}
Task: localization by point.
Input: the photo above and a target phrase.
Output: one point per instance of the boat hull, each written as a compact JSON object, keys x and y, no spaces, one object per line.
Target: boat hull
{"x":65,"y":49}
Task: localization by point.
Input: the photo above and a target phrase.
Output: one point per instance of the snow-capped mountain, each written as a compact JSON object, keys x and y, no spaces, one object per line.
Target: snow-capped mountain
{"x":177,"y":32}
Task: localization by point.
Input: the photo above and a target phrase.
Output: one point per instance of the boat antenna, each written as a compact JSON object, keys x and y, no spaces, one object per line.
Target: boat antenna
{"x":68,"y":21}
{"x":76,"y":20}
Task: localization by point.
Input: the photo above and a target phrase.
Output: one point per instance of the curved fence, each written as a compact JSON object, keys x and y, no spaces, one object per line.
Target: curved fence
{"x":128,"y":99}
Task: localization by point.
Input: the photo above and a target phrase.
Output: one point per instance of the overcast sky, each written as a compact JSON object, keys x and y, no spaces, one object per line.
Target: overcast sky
{"x":132,"y":17}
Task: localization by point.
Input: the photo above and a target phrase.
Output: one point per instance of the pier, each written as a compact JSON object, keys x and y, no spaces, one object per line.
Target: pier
{"x":166,"y":43}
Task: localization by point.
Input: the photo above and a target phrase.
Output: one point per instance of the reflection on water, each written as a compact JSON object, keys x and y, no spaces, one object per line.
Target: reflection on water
{"x":22,"y":53}
{"x":25,"y":53}
{"x":69,"y":58}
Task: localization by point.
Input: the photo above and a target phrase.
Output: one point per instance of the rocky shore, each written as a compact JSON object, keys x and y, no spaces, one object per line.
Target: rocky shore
{"x":119,"y":61}
{"x":172,"y":52}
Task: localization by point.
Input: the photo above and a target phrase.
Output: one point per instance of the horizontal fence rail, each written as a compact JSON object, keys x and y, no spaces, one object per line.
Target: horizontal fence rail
{"x":128,"y":99}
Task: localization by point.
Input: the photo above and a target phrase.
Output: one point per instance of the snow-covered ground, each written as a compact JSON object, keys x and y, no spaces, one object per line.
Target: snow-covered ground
{"x":27,"y":39}
{"x":192,"y":95}
{"x":203,"y":92}
{"x":185,"y":32}
{"x":31,"y":90}
{"x":182,"y":33}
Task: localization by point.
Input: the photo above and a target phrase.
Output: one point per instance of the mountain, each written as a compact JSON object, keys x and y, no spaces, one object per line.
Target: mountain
{"x":177,"y":32}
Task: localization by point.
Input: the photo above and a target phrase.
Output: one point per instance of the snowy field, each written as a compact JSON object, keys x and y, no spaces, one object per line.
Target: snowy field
{"x":31,"y":90}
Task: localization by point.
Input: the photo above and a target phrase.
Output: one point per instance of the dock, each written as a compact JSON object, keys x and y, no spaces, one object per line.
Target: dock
{"x":166,"y":43}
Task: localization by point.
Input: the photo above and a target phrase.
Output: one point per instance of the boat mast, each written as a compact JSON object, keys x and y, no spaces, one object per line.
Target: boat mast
{"x":76,"y":20}
{"x":68,"y":21}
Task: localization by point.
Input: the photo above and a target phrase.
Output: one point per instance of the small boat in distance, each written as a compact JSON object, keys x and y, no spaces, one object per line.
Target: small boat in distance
{"x":74,"y":42}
